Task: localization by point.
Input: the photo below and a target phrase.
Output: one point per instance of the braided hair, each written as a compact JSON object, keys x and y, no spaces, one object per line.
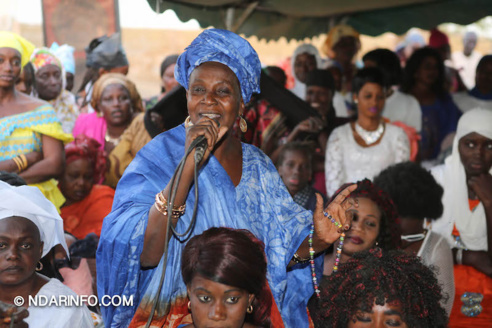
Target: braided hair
{"x":381,"y":276}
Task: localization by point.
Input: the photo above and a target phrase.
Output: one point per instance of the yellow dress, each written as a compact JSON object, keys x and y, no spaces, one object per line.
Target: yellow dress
{"x":21,"y":134}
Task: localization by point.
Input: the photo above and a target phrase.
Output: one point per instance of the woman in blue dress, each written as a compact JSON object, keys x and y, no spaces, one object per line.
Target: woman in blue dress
{"x":239,"y":188}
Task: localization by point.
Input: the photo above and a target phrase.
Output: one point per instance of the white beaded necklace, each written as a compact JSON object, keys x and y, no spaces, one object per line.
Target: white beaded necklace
{"x":369,"y":137}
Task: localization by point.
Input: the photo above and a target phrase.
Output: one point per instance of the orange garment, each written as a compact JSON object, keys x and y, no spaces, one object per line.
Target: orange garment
{"x":413,"y":137}
{"x":468,"y":279}
{"x":473,"y":203}
{"x":87,"y":216}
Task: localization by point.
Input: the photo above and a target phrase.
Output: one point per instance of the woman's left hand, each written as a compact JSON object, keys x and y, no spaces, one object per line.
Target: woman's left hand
{"x":338,"y":209}
{"x":482,"y":186}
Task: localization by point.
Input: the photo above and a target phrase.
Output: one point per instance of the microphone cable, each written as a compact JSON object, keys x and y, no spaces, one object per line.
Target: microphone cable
{"x":200,"y":143}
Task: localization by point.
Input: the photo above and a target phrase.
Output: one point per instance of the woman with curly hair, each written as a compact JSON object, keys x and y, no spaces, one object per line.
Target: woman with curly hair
{"x":417,"y":197}
{"x":225,"y":275}
{"x":380,"y":288}
{"x":374,"y":224}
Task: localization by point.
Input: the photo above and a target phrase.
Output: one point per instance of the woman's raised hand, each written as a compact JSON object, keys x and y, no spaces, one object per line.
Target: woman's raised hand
{"x":209,"y":128}
{"x":339,"y":210}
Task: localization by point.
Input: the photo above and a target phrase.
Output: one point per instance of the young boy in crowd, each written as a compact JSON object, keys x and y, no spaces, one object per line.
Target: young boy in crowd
{"x":295,"y":167}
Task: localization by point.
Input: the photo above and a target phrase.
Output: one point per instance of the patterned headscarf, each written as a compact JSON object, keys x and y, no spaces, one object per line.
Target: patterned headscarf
{"x":87,"y":148}
{"x":17,"y":42}
{"x":42,"y":57}
{"x":389,"y":233}
{"x":116,"y":78}
{"x":227,"y":48}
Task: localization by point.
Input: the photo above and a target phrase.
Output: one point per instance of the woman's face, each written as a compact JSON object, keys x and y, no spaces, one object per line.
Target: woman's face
{"x":217,"y":305}
{"x":168,"y":80}
{"x":428,"y":71}
{"x":483,"y":78}
{"x":303,"y":64}
{"x":371,"y":99}
{"x":48,"y":82}
{"x":115,"y":105}
{"x":10,"y":66}
{"x":388,"y":315}
{"x":365,"y":227}
{"x":24,"y":83}
{"x":77,"y":180}
{"x":20,"y":250}
{"x":214,"y":92}
{"x":345,"y":49}
{"x":320,"y":98}
{"x":295,"y":170}
{"x":476,"y":154}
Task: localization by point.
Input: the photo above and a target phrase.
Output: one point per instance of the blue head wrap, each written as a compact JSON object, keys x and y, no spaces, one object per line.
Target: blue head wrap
{"x":224,"y":47}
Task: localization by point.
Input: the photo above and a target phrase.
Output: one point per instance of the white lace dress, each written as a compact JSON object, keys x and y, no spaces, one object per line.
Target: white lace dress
{"x":436,"y":254}
{"x":347,"y":161}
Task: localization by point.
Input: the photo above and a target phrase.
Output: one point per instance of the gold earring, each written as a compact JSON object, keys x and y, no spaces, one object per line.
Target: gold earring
{"x":39,"y":266}
{"x":250,"y":309}
{"x":243,"y":125}
{"x":356,"y":101}
{"x":188,"y":122}
{"x":189,"y":305}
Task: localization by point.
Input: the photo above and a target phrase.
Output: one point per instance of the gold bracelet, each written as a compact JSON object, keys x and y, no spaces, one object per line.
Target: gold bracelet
{"x":17,"y":162}
{"x":161,"y":205}
{"x":24,"y":161}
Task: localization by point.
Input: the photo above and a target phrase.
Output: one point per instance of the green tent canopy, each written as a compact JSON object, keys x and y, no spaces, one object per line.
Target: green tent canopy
{"x":299,"y":19}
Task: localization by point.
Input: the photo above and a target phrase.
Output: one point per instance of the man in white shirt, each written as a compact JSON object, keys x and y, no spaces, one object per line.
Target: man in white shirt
{"x":466,"y":62}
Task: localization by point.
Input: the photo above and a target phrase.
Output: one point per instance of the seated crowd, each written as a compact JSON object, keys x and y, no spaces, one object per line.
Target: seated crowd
{"x":341,"y":194}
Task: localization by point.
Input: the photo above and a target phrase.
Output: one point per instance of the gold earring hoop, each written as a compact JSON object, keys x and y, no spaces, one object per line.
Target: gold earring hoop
{"x":250,"y":309}
{"x":188,"y":122}
{"x":39,"y":266}
{"x":189,"y":305}
{"x":243,"y":125}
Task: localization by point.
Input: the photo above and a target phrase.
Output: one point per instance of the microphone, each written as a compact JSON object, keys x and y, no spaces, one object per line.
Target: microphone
{"x":201,"y":145}
{"x":200,"y":148}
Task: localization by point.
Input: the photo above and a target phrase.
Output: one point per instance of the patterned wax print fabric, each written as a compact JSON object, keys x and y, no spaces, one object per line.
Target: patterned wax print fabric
{"x":21,"y":134}
{"x":66,"y":109}
{"x":260,"y":204}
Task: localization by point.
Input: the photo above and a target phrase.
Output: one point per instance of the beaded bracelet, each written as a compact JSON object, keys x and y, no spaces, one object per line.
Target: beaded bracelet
{"x":311,"y":252}
{"x":340,"y":244}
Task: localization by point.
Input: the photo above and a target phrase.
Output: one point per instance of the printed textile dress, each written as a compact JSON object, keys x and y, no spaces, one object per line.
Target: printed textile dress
{"x":260,"y":203}
{"x":21,"y":134}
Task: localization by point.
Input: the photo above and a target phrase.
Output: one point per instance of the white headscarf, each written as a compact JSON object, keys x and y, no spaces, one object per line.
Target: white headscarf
{"x":471,"y":225}
{"x":65,"y":54}
{"x":28,"y":202}
{"x":299,"y":88}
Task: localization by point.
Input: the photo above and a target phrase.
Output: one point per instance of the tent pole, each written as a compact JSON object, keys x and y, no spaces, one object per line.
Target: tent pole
{"x":229,"y":19}
{"x":247,"y":12}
